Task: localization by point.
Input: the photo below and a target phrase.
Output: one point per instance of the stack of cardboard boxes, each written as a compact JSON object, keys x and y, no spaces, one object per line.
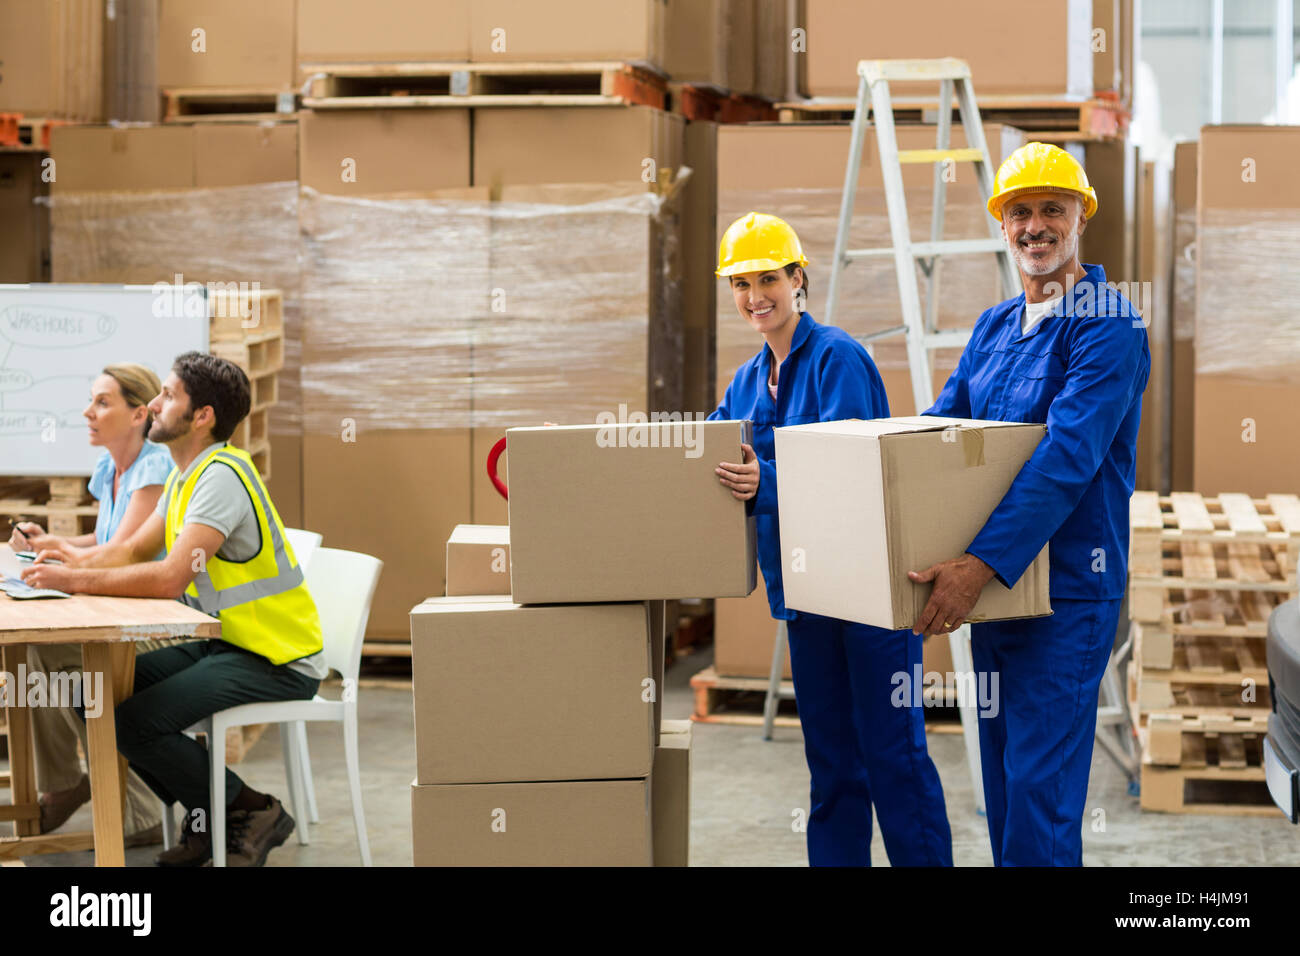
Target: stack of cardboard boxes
{"x":538,"y":725}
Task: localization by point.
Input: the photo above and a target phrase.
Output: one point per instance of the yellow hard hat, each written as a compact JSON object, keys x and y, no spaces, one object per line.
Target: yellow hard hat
{"x":757,"y":242}
{"x":1039,"y":167}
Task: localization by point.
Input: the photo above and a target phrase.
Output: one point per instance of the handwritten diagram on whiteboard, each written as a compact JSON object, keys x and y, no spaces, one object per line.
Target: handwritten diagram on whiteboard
{"x":55,"y":340}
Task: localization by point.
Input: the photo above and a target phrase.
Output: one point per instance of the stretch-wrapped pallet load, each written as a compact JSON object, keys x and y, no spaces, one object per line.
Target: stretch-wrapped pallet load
{"x":447,"y":301}
{"x":1247,"y":336}
{"x":213,"y":204}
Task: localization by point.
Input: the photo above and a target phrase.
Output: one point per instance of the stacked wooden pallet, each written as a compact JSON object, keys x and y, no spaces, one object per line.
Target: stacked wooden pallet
{"x":61,"y":505}
{"x":1204,"y":575}
{"x":247,"y":327}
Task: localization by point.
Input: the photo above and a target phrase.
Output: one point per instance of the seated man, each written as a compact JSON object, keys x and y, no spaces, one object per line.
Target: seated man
{"x":226,"y":554}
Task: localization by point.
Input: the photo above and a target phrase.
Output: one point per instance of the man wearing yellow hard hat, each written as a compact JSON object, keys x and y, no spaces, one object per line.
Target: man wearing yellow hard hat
{"x":1070,"y":352}
{"x":861,"y":749}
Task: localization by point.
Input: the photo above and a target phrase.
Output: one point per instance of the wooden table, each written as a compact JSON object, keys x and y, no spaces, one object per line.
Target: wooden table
{"x":107,"y":629}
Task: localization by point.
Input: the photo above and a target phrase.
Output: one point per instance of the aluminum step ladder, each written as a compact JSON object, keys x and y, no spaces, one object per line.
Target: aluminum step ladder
{"x":920,"y":329}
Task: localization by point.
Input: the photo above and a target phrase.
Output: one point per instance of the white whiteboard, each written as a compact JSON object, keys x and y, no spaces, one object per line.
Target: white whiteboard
{"x":55,"y":339}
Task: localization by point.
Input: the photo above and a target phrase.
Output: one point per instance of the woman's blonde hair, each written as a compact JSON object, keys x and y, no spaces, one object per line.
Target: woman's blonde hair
{"x":139,"y":386}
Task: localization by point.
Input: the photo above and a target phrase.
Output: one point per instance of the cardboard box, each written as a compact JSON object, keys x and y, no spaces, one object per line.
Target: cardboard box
{"x":579,"y":144}
{"x":25,"y":239}
{"x":244,"y":43}
{"x":385,"y":151}
{"x":52,"y":59}
{"x":560,"y":176}
{"x":857,"y":505}
{"x":796,"y":171}
{"x":1183,"y":369}
{"x":1054,"y":39}
{"x":1247,"y":363}
{"x":524,"y":30}
{"x":1154,"y":275}
{"x":1109,"y":240}
{"x":1112,"y":48}
{"x":744,"y":631}
{"x":393,"y":494}
{"x":699,"y":248}
{"x":575,"y":823}
{"x":670,"y":805}
{"x":506,"y":693}
{"x":743,"y":635}
{"x":478,"y":560}
{"x":617,"y":512}
{"x":382,"y":31}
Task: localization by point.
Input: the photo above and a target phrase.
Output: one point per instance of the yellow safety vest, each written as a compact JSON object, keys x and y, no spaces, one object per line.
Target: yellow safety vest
{"x":263,"y":603}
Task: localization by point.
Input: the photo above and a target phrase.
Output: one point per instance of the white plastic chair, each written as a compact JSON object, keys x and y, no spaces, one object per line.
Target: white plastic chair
{"x":342,"y":583}
{"x":304,"y":544}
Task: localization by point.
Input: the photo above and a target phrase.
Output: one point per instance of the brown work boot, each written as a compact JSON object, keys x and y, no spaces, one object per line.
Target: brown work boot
{"x":58,"y":806}
{"x":192,"y":849}
{"x":252,"y":834}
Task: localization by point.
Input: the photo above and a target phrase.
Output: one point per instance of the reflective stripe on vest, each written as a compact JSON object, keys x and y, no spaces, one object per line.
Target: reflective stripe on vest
{"x":288,"y":577}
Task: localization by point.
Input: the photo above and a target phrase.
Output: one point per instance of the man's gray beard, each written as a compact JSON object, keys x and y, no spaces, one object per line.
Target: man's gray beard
{"x":1066,"y":253}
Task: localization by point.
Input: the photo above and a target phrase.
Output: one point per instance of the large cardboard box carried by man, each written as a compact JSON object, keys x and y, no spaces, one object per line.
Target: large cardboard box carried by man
{"x":864,"y":502}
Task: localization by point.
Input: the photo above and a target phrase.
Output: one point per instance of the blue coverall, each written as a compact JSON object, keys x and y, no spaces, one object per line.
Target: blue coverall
{"x":1081,"y":370}
{"x":859,"y":746}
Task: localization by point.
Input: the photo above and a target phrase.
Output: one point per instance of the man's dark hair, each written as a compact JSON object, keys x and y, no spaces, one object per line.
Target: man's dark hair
{"x":217,"y":382}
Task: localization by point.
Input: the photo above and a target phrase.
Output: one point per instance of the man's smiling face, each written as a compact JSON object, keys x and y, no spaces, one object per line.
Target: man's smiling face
{"x":1043,"y":230}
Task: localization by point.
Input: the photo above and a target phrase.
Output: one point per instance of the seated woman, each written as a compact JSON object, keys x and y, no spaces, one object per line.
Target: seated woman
{"x":128,"y":481}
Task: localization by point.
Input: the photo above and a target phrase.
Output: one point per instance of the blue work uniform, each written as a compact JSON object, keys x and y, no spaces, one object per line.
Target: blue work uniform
{"x":860,"y":747}
{"x":1081,"y":370}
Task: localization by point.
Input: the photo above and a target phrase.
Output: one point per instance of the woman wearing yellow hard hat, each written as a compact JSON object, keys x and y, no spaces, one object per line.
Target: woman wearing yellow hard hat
{"x":1071,"y":353}
{"x":861,"y":749}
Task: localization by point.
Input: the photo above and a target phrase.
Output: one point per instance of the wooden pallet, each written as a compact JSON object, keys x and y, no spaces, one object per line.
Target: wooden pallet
{"x":191,"y":104}
{"x":1200,"y":546}
{"x":26,"y":132}
{"x":61,"y":505}
{"x":738,"y":701}
{"x":240,"y":740}
{"x":460,"y":85}
{"x":702,"y":102}
{"x":1174,"y":740}
{"x":242,"y":313}
{"x":1054,"y":118}
{"x":1211,"y":789}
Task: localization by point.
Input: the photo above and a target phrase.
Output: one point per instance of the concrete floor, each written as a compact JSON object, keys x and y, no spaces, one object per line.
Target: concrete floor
{"x":744,"y":792}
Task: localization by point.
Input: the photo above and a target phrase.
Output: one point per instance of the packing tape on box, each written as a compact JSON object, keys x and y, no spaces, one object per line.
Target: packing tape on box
{"x":453,"y":313}
{"x":1247,"y":324}
{"x":221,"y":234}
{"x":972,"y":446}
